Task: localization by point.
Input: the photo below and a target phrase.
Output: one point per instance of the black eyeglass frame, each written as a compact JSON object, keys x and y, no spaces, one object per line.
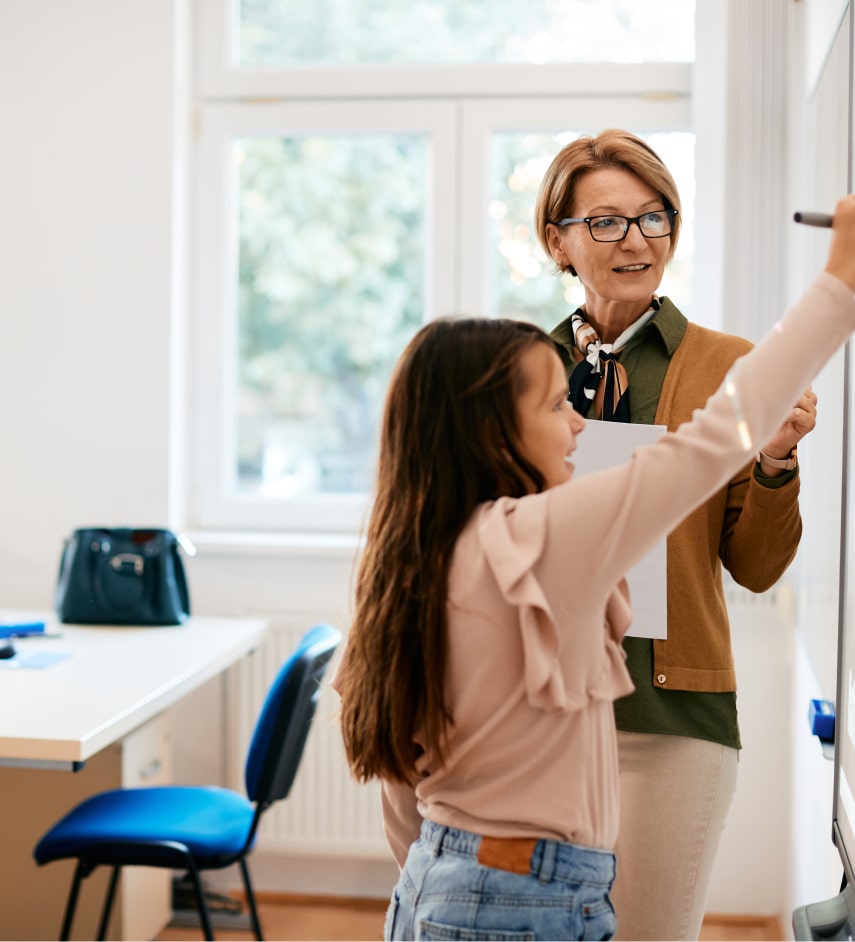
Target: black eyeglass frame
{"x":629,"y":220}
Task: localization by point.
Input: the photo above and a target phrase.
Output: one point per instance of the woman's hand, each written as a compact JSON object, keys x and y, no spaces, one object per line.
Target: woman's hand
{"x":800,"y":421}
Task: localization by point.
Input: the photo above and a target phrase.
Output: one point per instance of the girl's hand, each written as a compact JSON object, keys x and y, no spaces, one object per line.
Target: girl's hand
{"x":841,"y":254}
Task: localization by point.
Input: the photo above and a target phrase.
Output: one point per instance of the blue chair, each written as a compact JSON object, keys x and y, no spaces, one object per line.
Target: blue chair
{"x":196,"y":828}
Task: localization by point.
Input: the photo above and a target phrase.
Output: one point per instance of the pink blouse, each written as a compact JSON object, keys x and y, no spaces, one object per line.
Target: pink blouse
{"x":537,"y":607}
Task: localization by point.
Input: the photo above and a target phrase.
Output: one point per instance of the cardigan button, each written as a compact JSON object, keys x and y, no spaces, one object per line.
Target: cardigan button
{"x":660,"y":678}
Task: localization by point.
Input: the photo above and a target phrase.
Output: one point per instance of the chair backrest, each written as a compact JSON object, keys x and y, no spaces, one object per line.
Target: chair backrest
{"x":286,"y":716}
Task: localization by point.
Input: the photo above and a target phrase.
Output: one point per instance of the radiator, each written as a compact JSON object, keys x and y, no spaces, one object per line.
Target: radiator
{"x":327,"y":813}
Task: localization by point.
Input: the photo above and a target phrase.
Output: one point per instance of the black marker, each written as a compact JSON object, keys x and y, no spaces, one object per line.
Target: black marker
{"x":821,"y":220}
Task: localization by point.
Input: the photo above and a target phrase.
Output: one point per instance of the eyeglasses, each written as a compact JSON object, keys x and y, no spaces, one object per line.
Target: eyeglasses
{"x":652,"y":225}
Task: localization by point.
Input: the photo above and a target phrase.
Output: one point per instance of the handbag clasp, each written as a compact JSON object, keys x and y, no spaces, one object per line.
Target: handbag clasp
{"x":122,"y":562}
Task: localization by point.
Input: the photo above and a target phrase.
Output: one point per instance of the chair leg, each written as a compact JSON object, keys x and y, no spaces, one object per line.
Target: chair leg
{"x":108,"y":904}
{"x":202,"y":906}
{"x":80,"y":871}
{"x":250,"y":898}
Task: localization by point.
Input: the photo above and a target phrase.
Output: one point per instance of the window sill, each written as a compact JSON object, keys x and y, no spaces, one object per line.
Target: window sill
{"x":212,"y":543}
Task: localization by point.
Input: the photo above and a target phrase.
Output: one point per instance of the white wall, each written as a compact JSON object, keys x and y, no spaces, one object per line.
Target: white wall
{"x":751,"y":871}
{"x":93,"y":116}
{"x":86,"y":278}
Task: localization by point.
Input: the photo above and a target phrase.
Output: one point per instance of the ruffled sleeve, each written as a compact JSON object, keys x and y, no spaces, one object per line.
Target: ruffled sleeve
{"x":565,"y":666}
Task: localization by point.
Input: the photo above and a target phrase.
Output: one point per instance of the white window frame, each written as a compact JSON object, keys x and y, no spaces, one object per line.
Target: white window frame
{"x":219,"y":79}
{"x":215,"y":503}
{"x":458,"y":108}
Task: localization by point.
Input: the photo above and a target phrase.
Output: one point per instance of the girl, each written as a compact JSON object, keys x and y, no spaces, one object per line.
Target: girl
{"x":485,"y":653}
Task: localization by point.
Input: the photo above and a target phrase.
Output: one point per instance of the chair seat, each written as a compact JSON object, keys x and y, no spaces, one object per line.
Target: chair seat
{"x":212,"y":822}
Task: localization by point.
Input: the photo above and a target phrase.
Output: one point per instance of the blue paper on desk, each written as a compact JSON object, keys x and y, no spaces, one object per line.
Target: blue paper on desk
{"x":33,"y":660}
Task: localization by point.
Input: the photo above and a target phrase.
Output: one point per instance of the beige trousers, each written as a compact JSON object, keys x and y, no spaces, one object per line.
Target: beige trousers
{"x":675,"y":793}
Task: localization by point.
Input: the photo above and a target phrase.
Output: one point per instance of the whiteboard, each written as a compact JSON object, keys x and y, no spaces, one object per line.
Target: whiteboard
{"x":843,"y":815}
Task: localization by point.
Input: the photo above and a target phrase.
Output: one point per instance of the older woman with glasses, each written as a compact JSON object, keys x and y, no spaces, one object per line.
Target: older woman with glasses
{"x":608,"y":212}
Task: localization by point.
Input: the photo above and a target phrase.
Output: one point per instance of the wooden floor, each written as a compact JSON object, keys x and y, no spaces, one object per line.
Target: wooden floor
{"x":318,"y":919}
{"x":307,"y":918}
{"x":745,"y":928}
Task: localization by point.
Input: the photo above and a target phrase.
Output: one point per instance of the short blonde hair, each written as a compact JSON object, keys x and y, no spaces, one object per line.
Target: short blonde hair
{"x":612,"y":148}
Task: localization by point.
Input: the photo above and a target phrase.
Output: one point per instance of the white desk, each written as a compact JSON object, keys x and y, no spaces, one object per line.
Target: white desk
{"x":103,"y":711}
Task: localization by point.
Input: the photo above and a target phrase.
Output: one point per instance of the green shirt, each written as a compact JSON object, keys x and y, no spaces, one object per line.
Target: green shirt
{"x":651,"y":709}
{"x":711,"y":716}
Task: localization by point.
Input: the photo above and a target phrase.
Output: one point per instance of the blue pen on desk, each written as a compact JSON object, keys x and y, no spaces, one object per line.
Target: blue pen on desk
{"x":22,"y":629}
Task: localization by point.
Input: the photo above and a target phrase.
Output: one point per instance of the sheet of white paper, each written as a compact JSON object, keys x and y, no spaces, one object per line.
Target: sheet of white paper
{"x":603,"y":445}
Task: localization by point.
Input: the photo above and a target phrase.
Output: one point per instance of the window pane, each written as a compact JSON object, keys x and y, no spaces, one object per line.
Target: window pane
{"x":357,"y":32}
{"x":331,"y":256}
{"x":522,"y":274}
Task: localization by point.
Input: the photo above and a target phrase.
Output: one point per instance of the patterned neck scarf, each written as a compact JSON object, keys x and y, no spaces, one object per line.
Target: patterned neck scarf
{"x":599,"y":379}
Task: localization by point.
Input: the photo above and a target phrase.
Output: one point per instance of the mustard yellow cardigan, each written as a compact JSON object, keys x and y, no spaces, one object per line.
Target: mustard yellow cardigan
{"x":753,"y":530}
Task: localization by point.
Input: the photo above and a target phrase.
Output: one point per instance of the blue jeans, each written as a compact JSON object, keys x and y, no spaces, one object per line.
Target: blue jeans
{"x":445,"y":893}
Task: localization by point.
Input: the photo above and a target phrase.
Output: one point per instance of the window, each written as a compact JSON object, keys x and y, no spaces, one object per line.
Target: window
{"x":338,"y":208}
{"x":277,"y":33}
{"x":319,"y":269}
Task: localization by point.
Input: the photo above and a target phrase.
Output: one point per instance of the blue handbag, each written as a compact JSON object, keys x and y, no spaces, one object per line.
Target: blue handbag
{"x":123,"y":576}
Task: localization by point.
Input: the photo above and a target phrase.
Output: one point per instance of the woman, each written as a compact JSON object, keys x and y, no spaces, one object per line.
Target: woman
{"x":484,"y":657}
{"x":608,"y":212}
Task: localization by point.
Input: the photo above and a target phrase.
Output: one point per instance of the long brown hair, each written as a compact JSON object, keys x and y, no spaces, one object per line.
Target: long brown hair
{"x":612,"y":148}
{"x":448,"y":442}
